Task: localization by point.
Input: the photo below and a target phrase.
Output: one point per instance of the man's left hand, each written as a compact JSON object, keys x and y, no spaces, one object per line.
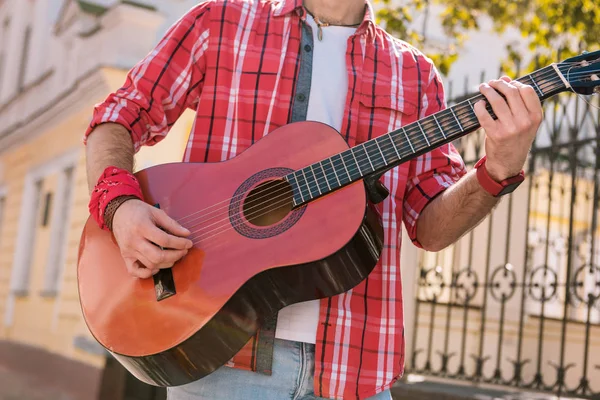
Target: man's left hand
{"x":508,"y":138}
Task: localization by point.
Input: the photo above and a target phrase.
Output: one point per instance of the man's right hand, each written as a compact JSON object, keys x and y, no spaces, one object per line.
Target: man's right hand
{"x":137,"y":230}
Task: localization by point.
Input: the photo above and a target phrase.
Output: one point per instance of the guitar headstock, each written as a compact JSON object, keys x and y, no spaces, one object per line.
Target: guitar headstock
{"x":582,"y":72}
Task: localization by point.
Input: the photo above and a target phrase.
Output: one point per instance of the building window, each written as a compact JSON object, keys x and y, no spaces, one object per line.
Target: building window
{"x":59,"y":226}
{"x":56,"y":174}
{"x":67,"y":57}
{"x":24,"y":59}
{"x":3,"y":49}
{"x":27,"y":223}
{"x":47,"y":204}
{"x":2,"y":212}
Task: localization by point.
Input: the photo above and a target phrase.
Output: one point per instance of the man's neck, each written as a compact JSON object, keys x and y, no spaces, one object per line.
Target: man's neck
{"x":337,"y":12}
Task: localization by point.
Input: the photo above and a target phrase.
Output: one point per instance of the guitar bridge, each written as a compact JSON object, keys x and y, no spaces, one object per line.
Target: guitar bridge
{"x":164,"y":285}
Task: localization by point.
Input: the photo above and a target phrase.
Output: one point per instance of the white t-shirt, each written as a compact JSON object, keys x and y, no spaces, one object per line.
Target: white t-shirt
{"x":328,"y":89}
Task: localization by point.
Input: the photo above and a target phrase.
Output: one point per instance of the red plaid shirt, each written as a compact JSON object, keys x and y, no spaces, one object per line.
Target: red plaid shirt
{"x":236,"y":64}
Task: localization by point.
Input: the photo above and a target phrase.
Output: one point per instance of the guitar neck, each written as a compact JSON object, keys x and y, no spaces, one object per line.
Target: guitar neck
{"x":376,"y":156}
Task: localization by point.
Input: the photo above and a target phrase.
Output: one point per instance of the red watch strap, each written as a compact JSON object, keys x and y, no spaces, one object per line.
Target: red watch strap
{"x":489,"y":184}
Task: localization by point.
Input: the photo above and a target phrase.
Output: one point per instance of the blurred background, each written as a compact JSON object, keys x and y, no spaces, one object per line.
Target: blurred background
{"x":511,"y":311}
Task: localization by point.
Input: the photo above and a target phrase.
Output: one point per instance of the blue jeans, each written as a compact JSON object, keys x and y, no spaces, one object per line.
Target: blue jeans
{"x":291,"y":379}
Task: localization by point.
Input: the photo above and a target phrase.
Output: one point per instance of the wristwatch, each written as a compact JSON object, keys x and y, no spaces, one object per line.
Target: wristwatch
{"x":493,"y":187}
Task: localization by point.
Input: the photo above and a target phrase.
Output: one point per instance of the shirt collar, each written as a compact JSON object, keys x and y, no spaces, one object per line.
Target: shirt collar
{"x":287,"y":6}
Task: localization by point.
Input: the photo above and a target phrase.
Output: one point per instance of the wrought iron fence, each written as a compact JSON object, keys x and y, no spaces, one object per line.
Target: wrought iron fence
{"x":517,"y":301}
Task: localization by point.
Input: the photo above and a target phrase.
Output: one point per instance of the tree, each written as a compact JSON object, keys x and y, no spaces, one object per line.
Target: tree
{"x":551,"y":29}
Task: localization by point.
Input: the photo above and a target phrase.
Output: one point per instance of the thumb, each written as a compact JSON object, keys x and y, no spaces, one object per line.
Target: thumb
{"x":169,"y":224}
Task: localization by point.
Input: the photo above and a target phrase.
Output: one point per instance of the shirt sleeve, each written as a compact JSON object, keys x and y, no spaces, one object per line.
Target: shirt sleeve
{"x":433,"y":172}
{"x":161,"y":86}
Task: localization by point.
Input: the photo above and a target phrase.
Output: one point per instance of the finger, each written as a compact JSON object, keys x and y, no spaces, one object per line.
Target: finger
{"x":506,"y":79}
{"x":498,"y":104}
{"x":485,"y":119}
{"x":164,"y":221}
{"x":513,"y":97}
{"x":136,"y":269}
{"x":164,"y":239}
{"x":530,"y":98}
{"x":159,"y":258}
{"x":145,"y":263}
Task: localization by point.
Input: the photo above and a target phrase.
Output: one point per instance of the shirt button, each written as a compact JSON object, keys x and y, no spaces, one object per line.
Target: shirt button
{"x":307,"y":48}
{"x":300,"y":97}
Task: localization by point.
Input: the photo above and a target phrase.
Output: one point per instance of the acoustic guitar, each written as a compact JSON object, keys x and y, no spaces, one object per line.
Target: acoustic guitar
{"x":290,"y":219}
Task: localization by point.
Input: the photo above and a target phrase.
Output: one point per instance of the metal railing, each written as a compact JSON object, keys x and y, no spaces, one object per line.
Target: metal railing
{"x":516,"y":302}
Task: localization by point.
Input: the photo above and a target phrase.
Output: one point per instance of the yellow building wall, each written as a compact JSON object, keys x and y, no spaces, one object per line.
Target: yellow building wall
{"x":53,"y":323}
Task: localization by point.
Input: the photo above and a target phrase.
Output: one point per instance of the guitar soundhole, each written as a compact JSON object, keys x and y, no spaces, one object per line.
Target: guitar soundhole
{"x":262,"y":206}
{"x":268,"y":203}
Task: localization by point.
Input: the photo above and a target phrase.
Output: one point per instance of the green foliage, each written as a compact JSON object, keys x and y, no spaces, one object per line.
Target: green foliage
{"x":551,"y":29}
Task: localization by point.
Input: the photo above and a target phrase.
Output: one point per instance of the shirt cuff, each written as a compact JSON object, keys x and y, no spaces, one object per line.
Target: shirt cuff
{"x":420,"y":196}
{"x":118,"y":113}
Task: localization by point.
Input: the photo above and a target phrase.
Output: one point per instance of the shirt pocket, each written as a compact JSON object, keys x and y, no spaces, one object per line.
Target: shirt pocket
{"x":379,"y":114}
{"x":402,"y":104}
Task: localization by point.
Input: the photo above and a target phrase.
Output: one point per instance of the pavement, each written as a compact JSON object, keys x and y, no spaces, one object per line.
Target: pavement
{"x":416,"y":387}
{"x":16,"y":386}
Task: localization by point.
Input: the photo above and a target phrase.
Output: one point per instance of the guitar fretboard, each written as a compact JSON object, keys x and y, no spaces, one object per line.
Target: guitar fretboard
{"x":378,"y":155}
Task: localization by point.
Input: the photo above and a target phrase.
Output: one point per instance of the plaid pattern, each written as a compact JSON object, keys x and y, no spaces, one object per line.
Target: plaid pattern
{"x":236,"y":63}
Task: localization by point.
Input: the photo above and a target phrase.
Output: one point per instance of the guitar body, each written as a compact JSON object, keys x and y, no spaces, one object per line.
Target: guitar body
{"x":244,"y":265}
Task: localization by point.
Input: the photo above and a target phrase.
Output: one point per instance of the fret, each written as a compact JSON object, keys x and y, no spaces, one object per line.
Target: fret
{"x":316,"y":180}
{"x":344,"y":165}
{"x":364,"y":148}
{"x":394,"y":146}
{"x":423,"y":132}
{"x":356,"y":161}
{"x":291,"y":178}
{"x":535,"y":85}
{"x":456,"y":118}
{"x":375,"y":155}
{"x":408,"y":140}
{"x":439,"y":126}
{"x":381,"y":152}
{"x":471,"y":105}
{"x":310,"y":192}
{"x":299,"y":184}
{"x":334,"y":171}
{"x":471,"y":113}
{"x":325,"y":174}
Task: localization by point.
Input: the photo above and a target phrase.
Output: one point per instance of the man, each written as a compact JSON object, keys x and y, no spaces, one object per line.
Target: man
{"x":248,"y":67}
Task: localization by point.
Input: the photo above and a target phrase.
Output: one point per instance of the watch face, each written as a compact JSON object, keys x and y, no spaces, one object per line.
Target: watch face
{"x":509,"y":188}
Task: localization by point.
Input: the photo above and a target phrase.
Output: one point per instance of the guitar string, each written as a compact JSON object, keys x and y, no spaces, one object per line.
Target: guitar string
{"x":328,"y":176}
{"x":266,"y":211}
{"x":205,"y":240}
{"x":205,"y":237}
{"x":579,"y":95}
{"x":277,"y":204}
{"x":318,"y":181}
